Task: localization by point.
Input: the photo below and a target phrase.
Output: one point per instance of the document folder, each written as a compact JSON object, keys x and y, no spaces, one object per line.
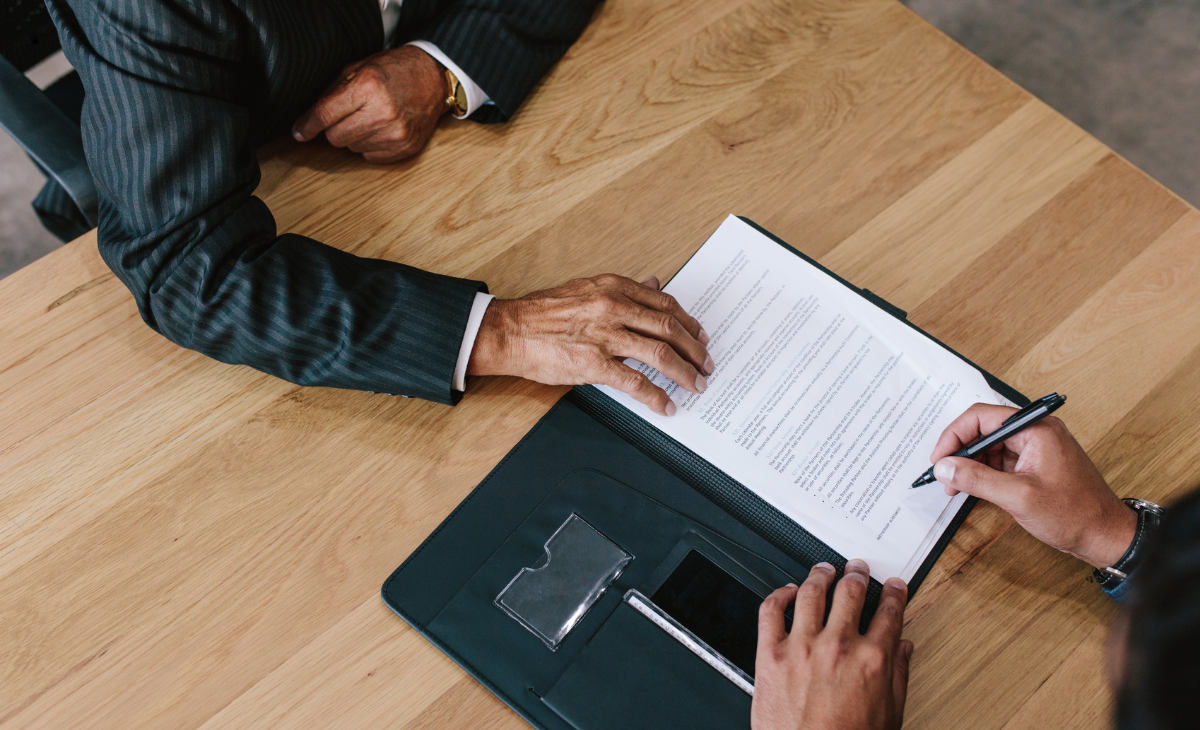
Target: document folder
{"x":542,"y":583}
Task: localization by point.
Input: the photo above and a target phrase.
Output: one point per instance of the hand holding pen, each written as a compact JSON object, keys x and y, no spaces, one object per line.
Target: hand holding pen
{"x":1042,"y":477}
{"x":1014,"y":424}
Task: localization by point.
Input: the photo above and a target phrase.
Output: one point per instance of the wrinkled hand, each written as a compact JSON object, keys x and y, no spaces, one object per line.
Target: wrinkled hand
{"x":581,"y":331}
{"x":830,"y":677}
{"x":384,"y":107}
{"x":1043,"y":478}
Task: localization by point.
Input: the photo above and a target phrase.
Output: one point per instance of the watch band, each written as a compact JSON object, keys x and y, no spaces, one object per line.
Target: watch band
{"x":457,"y":97}
{"x":1149,"y":518}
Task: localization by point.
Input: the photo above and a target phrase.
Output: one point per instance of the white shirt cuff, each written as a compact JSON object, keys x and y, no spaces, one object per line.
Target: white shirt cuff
{"x":474,"y":319}
{"x":475,"y":95}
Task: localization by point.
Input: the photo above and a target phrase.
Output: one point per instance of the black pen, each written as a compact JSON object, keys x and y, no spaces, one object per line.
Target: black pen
{"x":1014,"y":424}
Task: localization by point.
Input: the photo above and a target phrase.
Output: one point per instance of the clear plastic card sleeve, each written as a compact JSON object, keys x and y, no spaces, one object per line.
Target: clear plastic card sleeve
{"x":580,"y":565}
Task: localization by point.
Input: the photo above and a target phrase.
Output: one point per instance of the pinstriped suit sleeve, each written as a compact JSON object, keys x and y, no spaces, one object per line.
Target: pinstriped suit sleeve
{"x":506,"y":46}
{"x":166,"y":131}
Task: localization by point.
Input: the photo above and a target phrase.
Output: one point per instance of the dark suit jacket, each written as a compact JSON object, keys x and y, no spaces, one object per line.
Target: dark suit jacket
{"x":178,"y":96}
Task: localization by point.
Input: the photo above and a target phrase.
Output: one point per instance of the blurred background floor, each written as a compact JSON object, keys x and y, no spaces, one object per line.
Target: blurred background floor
{"x":22,"y":238}
{"x":1127,"y":71}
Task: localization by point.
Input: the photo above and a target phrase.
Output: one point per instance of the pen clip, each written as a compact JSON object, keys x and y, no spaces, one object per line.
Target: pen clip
{"x":1031,"y":407}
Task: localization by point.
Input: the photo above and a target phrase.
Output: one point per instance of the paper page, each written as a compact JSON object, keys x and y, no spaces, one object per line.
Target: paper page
{"x":823,"y":404}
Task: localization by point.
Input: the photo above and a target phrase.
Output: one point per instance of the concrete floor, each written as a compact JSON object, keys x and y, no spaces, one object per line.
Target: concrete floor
{"x":1128,"y":71}
{"x":22,"y":238}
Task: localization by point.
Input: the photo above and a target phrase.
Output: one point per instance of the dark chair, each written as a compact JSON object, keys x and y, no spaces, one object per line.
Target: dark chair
{"x":45,"y":123}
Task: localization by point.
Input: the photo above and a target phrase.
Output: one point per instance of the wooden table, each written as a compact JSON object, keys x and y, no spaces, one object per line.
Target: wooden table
{"x":189,"y":544}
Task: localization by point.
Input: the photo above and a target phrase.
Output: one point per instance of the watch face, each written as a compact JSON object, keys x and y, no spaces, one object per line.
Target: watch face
{"x":1142,"y":505}
{"x":457,"y":100}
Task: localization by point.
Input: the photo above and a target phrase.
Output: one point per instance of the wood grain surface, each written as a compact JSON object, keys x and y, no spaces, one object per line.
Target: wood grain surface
{"x":187,"y":544}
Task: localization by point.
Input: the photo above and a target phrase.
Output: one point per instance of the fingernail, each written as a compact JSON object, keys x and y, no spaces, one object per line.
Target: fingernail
{"x":824,"y":566}
{"x":709,"y":365}
{"x":790,"y":585}
{"x":944,"y":471}
{"x":857,"y":570}
{"x":908,"y":650}
{"x":701,"y":383}
{"x":652,"y":282}
{"x":671,"y":408}
{"x":296,"y":134}
{"x":897,"y":584}
{"x":703,"y":337}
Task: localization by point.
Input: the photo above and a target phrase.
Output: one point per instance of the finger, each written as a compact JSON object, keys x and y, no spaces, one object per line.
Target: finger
{"x":378,"y":140}
{"x":994,"y":458}
{"x":770,"y":617}
{"x":386,"y":146}
{"x":627,"y":380}
{"x":652,"y":282}
{"x":664,"y":302}
{"x":977,"y":420}
{"x":848,"y":599}
{"x":328,"y":111}
{"x":900,"y":664}
{"x":356,"y":128}
{"x":346,"y":76}
{"x":386,"y":157}
{"x":662,"y":357}
{"x":665,"y":328}
{"x":889,"y":617}
{"x":1001,"y":488}
{"x":1009,"y":460}
{"x":810,"y":600}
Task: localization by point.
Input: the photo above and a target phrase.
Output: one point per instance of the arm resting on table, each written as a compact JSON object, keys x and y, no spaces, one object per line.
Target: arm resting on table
{"x":166,"y":130}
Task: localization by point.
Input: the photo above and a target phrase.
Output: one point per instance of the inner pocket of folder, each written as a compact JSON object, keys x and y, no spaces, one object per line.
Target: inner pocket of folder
{"x":634,"y":675}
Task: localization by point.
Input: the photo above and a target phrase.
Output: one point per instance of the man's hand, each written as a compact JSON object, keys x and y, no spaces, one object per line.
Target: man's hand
{"x":831,"y":678}
{"x":581,"y":331}
{"x":1043,"y":478}
{"x":384,"y":107}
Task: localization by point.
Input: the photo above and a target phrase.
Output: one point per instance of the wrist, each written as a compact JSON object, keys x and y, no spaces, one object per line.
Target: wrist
{"x":492,"y":352}
{"x":1113,"y":537}
{"x":433,"y":76}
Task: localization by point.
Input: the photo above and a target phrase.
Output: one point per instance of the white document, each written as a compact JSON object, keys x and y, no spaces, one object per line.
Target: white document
{"x":822,"y":403}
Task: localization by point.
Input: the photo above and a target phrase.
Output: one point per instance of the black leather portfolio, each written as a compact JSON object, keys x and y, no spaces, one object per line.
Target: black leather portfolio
{"x":605,"y":576}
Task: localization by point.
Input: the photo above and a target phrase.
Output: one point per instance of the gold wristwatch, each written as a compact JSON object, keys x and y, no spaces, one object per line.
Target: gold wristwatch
{"x":457,"y":99}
